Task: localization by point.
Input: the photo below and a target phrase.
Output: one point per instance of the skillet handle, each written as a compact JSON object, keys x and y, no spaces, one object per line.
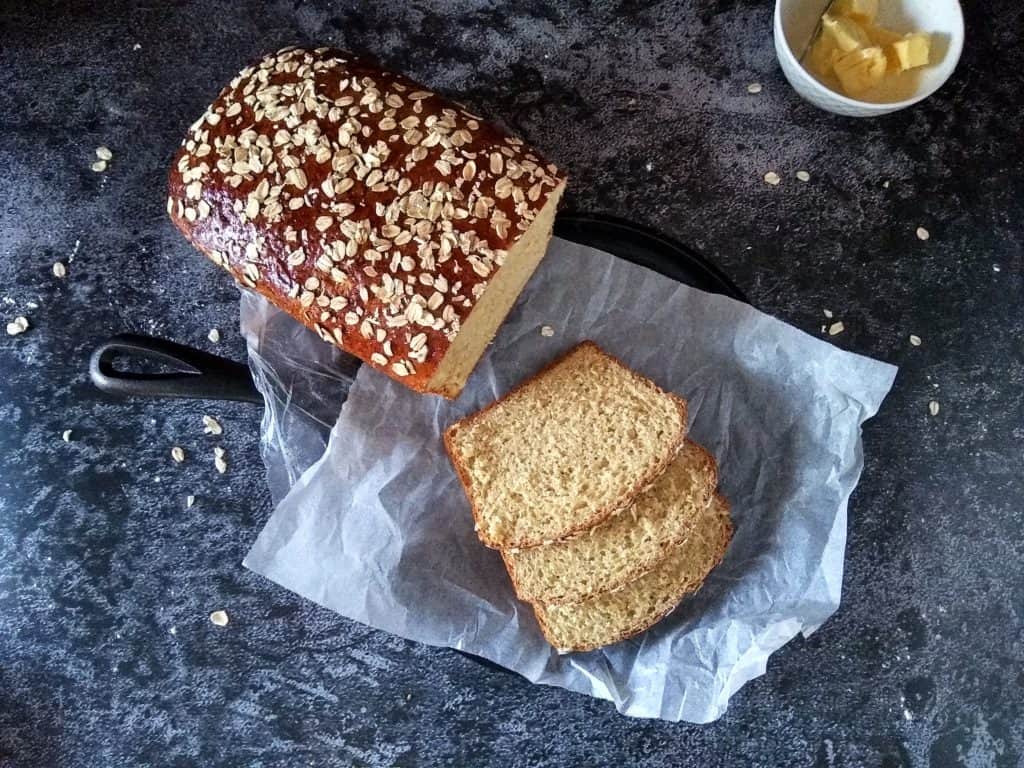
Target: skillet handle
{"x":202,"y":376}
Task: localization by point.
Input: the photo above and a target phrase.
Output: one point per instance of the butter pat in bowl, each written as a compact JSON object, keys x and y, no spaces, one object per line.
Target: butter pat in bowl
{"x":872,"y":57}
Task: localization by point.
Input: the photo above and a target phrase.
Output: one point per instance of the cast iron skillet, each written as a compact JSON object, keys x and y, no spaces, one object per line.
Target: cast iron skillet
{"x":204,"y":376}
{"x":201,"y":375}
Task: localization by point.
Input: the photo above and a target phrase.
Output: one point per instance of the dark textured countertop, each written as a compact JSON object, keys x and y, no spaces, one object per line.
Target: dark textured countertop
{"x":107,"y":655}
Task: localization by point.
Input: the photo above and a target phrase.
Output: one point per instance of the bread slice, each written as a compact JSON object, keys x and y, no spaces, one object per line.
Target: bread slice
{"x":565,"y":450}
{"x":614,"y":616}
{"x":625,"y":547}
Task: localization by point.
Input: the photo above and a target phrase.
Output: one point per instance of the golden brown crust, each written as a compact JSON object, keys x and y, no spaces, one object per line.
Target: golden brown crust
{"x":599,"y":516}
{"x":641,"y":568}
{"x":369,"y":208}
{"x":689,"y":589}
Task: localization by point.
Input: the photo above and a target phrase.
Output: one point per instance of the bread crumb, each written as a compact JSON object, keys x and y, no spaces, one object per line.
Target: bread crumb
{"x":211,"y":426}
{"x":99,"y":166}
{"x":17,"y":325}
{"x":828,"y":313}
{"x":836,"y":328}
{"x":178,"y":454}
{"x":915,"y":340}
{"x":922,"y":233}
{"x":189,"y":501}
{"x":66,"y":435}
{"x":803,"y":175}
{"x":219,"y":618}
{"x":213,"y":335}
{"x":772,"y":178}
{"x":59,"y":270}
{"x":547,"y":330}
{"x":754,"y":88}
{"x":933,"y":407}
{"x":885,"y":184}
{"x":173,"y":630}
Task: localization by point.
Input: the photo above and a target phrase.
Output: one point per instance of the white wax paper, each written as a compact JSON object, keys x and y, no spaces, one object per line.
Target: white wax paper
{"x":379,"y":530}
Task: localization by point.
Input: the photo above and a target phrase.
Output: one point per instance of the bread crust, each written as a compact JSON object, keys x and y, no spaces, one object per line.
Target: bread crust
{"x":599,"y":516}
{"x":689,"y":589}
{"x":640,"y":568}
{"x":369,"y":208}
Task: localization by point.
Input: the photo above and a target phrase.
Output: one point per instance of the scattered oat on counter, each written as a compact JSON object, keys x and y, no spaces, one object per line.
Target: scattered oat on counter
{"x":915,"y":340}
{"x":104,"y":153}
{"x":803,"y":175}
{"x":17,"y":325}
{"x":213,"y":335}
{"x":211,"y":426}
{"x":922,"y":233}
{"x":828,"y":313}
{"x":59,"y":270}
{"x":219,"y":618}
{"x":772,"y":178}
{"x":836,"y":328}
{"x":547,"y":330}
{"x":66,"y":435}
{"x":933,"y":407}
{"x":178,"y":454}
{"x":190,"y":500}
{"x":754,"y":88}
{"x":99,"y":166}
{"x":219,"y":461}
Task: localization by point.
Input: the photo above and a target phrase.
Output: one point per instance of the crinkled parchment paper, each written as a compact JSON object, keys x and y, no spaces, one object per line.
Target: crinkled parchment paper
{"x":373,"y":523}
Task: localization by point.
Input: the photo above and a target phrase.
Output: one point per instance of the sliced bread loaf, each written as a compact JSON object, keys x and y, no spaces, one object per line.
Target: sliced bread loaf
{"x":624,"y":547}
{"x":565,"y":450}
{"x":614,"y":616}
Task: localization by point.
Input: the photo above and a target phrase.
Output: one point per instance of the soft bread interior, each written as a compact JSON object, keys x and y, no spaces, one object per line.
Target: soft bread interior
{"x":627,"y":546}
{"x":495,"y":302}
{"x":565,"y":451}
{"x":614,"y":616}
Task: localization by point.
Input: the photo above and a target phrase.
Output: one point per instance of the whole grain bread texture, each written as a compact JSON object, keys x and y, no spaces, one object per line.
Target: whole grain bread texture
{"x":564,"y":451}
{"x":625,"y":547}
{"x":387,"y":218}
{"x":615,"y":616}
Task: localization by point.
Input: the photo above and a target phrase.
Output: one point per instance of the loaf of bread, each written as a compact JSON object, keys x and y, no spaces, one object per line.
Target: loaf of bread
{"x":566,"y":450}
{"x":393,"y":222}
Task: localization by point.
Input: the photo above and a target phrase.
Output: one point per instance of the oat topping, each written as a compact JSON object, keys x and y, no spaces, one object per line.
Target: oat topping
{"x":211,"y":426}
{"x":17,"y":325}
{"x":219,"y":618}
{"x":380,"y":207}
{"x":220,"y":461}
{"x":772,"y":178}
{"x":214,"y":335}
{"x":59,"y":270}
{"x":178,"y":454}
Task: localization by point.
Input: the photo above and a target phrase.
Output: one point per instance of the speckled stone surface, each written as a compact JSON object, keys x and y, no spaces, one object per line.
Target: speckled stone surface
{"x":107,"y":656}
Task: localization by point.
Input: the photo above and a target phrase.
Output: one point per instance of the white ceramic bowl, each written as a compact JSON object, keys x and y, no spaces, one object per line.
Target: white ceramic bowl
{"x":795,"y":21}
